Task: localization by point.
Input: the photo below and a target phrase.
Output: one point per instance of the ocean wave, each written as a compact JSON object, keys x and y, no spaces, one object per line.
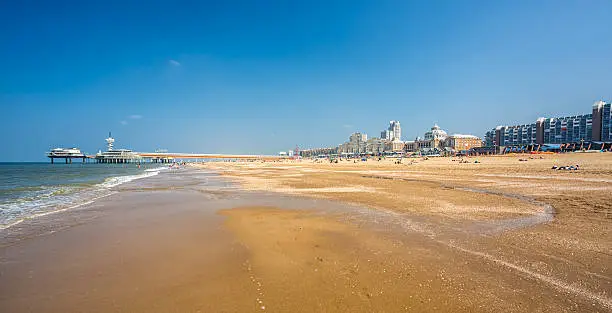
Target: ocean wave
{"x":46,"y":200}
{"x":156,"y":169}
{"x":118,"y":180}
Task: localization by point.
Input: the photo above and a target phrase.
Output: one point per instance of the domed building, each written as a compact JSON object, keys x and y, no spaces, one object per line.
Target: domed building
{"x":436,"y":133}
{"x":438,"y":142}
{"x":434,"y":139}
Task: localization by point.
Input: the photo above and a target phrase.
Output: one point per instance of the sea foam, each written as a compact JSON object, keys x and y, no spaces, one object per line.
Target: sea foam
{"x":54,"y":199}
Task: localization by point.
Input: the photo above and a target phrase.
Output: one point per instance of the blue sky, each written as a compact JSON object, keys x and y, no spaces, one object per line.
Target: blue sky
{"x":263,"y":76}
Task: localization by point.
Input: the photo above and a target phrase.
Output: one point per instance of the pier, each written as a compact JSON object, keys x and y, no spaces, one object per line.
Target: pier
{"x":68,"y":159}
{"x":126,"y":156}
{"x":156,"y":157}
{"x":67,"y":154}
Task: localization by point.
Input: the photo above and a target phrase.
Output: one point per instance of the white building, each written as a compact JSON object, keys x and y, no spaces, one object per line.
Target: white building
{"x":436,"y":133}
{"x":396,"y":129}
{"x":393,"y":132}
{"x":434,"y":139}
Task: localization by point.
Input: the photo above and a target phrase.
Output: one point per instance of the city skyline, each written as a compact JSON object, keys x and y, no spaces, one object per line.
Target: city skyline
{"x":593,"y":126}
{"x":257,"y":78}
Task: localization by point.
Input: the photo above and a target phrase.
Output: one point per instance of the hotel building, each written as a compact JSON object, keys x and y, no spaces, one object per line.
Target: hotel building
{"x":595,"y":126}
{"x":434,"y":138}
{"x":517,"y":135}
{"x":567,"y":129}
{"x":459,"y":142}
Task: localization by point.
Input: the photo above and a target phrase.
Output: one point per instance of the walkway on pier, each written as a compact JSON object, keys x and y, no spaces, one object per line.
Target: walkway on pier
{"x":156,"y":155}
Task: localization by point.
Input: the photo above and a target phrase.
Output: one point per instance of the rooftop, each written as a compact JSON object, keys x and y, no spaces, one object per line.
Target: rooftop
{"x":464,"y":136}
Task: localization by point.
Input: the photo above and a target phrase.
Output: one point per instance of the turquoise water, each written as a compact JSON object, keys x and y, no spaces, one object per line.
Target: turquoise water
{"x":30,"y":190}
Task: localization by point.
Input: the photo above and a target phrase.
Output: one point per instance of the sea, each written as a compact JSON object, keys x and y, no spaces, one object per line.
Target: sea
{"x":31,"y":190}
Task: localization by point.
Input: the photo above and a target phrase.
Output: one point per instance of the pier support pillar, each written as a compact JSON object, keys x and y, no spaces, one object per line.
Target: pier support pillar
{"x":51,"y":160}
{"x":66,"y":160}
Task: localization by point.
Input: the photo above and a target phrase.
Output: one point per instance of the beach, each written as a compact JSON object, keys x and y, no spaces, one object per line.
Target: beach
{"x":426,"y":235}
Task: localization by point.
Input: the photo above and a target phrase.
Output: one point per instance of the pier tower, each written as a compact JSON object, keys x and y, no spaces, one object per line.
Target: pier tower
{"x":116,"y":156}
{"x":109,"y":142}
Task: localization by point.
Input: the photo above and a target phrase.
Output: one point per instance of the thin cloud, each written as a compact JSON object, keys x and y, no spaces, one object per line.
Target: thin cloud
{"x":174,"y":63}
{"x":135,"y":117}
{"x":124,"y":122}
{"x":347,"y":126}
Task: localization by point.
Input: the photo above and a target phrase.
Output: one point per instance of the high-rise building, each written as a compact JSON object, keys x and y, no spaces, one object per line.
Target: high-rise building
{"x":396,"y":130}
{"x":568,"y":129}
{"x":518,"y":135}
{"x":606,"y":122}
{"x":490,"y":138}
{"x":386,"y":135}
{"x":602,"y":121}
{"x":595,"y":126}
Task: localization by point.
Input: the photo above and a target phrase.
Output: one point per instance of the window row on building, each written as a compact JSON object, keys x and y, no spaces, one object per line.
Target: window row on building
{"x":595,"y":126}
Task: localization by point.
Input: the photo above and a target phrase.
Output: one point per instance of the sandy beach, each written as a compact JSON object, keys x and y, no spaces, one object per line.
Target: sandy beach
{"x":427,"y":235}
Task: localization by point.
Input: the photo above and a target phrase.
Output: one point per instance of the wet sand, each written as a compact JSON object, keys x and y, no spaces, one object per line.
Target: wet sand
{"x":303,"y":237}
{"x":545,"y":226}
{"x":304,"y":262}
{"x":140,"y":255}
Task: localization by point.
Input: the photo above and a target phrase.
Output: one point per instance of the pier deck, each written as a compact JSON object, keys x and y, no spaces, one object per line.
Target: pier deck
{"x":67,"y":158}
{"x":155,"y":157}
{"x":182,"y":156}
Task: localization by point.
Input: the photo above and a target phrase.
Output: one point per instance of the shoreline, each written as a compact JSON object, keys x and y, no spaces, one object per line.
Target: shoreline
{"x":84,"y":196}
{"x":196,"y":240}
